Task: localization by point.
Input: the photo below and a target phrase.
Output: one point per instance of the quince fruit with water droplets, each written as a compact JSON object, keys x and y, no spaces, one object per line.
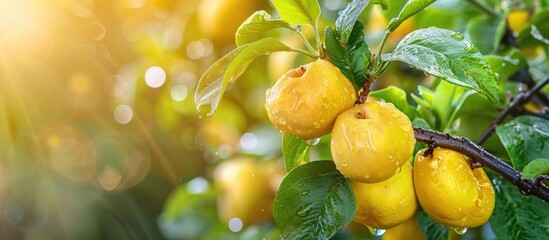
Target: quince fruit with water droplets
{"x":409,"y":229}
{"x":450,"y":191}
{"x":371,"y":141}
{"x":244,"y":191}
{"x":386,"y":204}
{"x":305,"y":101}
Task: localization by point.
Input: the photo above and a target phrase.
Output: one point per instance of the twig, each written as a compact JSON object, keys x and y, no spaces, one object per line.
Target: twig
{"x":477,"y":153}
{"x":519,"y":100}
{"x":523,"y":77}
{"x":365,"y":91}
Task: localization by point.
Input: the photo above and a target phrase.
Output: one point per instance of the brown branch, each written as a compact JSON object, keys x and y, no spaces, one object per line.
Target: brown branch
{"x":365,"y":91}
{"x":519,"y":100}
{"x":478,"y":154}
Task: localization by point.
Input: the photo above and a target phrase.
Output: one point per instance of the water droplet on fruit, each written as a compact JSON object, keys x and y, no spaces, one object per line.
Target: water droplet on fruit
{"x":398,"y":170}
{"x":457,"y":36}
{"x":378,"y":232}
{"x":460,"y":231}
{"x":312,"y":142}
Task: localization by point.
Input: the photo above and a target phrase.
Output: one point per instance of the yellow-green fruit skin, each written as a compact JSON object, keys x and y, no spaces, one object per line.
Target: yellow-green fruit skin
{"x":305,"y":101}
{"x":450,"y":191}
{"x":371,"y":141}
{"x":244,"y":191}
{"x":386,"y":204}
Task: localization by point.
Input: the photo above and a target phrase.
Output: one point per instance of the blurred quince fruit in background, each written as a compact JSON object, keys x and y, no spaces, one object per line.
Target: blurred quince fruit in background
{"x":406,"y":230}
{"x":305,"y":101}
{"x":246,"y":189}
{"x":450,"y":191}
{"x":219,"y":19}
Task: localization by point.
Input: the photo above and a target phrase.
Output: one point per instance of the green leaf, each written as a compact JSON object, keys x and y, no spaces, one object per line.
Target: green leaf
{"x":531,"y":36}
{"x":535,"y":168}
{"x":298,"y":11}
{"x":411,"y":8}
{"x":430,"y":228}
{"x":394,"y":95}
{"x":314,"y":201}
{"x":447,"y":55}
{"x":383,"y":3}
{"x":517,"y":216}
{"x":345,"y":22}
{"x":353,"y":58}
{"x":485,"y":32}
{"x":293,"y":150}
{"x":214,"y":81}
{"x":525,"y":138}
{"x":258,"y":23}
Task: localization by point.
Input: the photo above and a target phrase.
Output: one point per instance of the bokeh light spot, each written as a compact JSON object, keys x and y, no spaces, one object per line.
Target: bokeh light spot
{"x":179,"y":92}
{"x":123,"y":114}
{"x":195,"y":50}
{"x":109,"y":178}
{"x":248,"y":141}
{"x":155,"y":77}
{"x":198,"y":185}
{"x":235,"y":224}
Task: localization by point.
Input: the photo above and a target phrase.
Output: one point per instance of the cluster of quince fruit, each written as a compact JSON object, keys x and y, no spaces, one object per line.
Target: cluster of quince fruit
{"x":372,"y":144}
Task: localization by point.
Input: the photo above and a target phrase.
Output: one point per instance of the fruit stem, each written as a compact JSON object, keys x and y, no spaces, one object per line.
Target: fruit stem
{"x":365,"y":91}
{"x":307,"y":53}
{"x":377,"y":58}
{"x":307,"y":43}
{"x":467,"y":147}
{"x":318,"y":42}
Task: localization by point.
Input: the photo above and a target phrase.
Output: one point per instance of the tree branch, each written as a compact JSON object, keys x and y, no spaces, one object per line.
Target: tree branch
{"x":519,"y":100}
{"x":478,"y":154}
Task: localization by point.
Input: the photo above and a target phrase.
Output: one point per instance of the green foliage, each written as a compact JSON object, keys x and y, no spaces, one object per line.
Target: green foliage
{"x":345,"y":23}
{"x":537,"y":32}
{"x":485,"y":32}
{"x":411,"y":8}
{"x":430,"y":228}
{"x":397,"y":96}
{"x":448,"y":55}
{"x":517,"y":216}
{"x":535,"y":168}
{"x":293,"y":150}
{"x":525,"y":138}
{"x":298,"y":11}
{"x":353,"y":57}
{"x":314,"y":201}
{"x":256,"y":25}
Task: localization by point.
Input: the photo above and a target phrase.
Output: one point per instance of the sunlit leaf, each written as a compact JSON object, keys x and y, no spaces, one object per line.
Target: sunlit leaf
{"x":293,"y":150}
{"x":525,"y":138}
{"x":347,"y":18}
{"x":314,"y":201}
{"x":517,"y":216}
{"x":383,"y":3}
{"x":411,"y":8}
{"x":353,"y":58}
{"x":253,"y":28}
{"x":214,"y":81}
{"x":535,"y":168}
{"x":448,"y":55}
{"x":298,"y":11}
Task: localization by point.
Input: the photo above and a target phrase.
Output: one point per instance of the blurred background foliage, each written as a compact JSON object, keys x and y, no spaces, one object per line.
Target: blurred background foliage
{"x":99,"y":136}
